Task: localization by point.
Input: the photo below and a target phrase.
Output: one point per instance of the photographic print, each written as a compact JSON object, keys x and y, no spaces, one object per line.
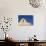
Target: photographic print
{"x":25,"y":20}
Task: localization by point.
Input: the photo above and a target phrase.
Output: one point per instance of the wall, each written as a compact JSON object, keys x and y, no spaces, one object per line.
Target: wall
{"x":13,"y":8}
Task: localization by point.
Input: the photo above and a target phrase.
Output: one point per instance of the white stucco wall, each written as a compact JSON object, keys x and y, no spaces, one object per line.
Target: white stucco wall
{"x":13,"y":8}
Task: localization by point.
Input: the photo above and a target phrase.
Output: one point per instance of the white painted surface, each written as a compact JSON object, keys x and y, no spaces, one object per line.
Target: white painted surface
{"x":13,"y":8}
